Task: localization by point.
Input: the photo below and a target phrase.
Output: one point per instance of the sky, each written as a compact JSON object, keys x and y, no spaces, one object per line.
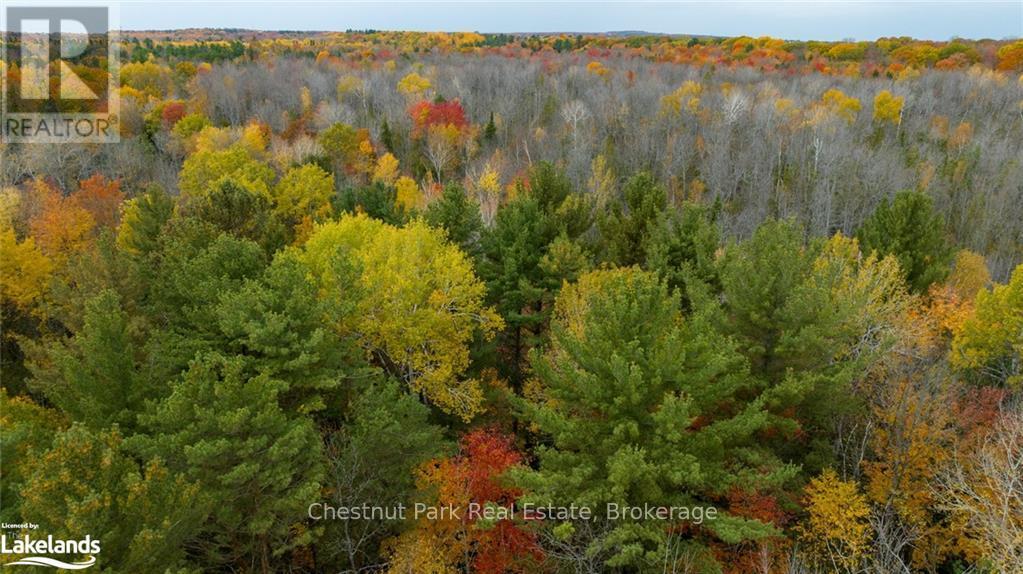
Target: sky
{"x":796,"y":19}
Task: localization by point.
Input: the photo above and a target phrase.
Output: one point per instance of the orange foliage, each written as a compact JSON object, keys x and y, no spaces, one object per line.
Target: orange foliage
{"x":102,"y":198}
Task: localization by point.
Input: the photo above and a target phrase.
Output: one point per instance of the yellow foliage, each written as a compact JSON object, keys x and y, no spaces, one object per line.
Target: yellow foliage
{"x":413,"y":84}
{"x":409,"y":196}
{"x":888,"y":108}
{"x":386,"y":170}
{"x":24,"y":270}
{"x":845,"y":107}
{"x":687,"y":97}
{"x":991,"y":341}
{"x":420,"y":304}
{"x":837,"y":532}
{"x":597,"y":68}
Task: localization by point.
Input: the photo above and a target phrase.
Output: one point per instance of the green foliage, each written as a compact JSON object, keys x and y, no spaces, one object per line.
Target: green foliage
{"x":28,"y":431}
{"x":95,"y":376}
{"x":142,"y":219}
{"x":459,"y":216}
{"x":276,"y":324}
{"x":232,"y":208}
{"x":808,"y":319}
{"x":87,"y":483}
{"x":682,"y":247}
{"x":514,"y":251}
{"x":376,"y":200}
{"x":641,"y":407}
{"x":371,"y":460}
{"x":910,"y":229}
{"x":990,"y":343}
{"x":625,"y":228}
{"x":228,"y":434}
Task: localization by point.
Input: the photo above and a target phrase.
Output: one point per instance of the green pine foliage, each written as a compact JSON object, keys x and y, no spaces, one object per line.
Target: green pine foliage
{"x":909,"y":228}
{"x":640,"y":406}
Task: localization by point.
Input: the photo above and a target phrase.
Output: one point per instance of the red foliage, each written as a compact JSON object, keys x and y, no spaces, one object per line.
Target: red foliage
{"x":428,"y":114}
{"x":172,"y":112}
{"x":484,"y":456}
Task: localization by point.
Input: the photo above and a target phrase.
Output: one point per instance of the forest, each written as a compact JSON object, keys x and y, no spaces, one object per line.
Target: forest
{"x":766,"y":295}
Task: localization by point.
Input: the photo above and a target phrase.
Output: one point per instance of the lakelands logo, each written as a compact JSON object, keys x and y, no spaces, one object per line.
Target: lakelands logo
{"x":50,"y":545}
{"x":60,"y":74}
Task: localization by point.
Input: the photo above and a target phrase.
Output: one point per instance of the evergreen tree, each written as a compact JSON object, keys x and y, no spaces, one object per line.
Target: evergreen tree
{"x":639,"y":407}
{"x":372,"y":460}
{"x":142,"y":220}
{"x":145,"y":518}
{"x":228,"y":434}
{"x":95,"y":376}
{"x":512,"y":252}
{"x":910,"y":229}
{"x":490,"y":130}
{"x":276,"y":324}
{"x":377,"y":201}
{"x":233,"y":209}
{"x":681,"y":249}
{"x":625,"y":228}
{"x":459,"y":216}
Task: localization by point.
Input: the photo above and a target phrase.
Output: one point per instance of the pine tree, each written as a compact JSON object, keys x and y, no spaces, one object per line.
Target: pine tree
{"x":142,"y":220}
{"x":682,"y":247}
{"x":640,"y":407}
{"x":624,"y":228}
{"x":459,"y":216}
{"x":490,"y":130}
{"x":910,"y":229}
{"x":228,"y":434}
{"x":512,"y":253}
{"x":372,"y":460}
{"x":145,"y":518}
{"x":95,"y":376}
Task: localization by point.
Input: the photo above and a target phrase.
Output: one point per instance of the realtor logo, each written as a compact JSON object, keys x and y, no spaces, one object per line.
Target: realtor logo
{"x":59,"y":75}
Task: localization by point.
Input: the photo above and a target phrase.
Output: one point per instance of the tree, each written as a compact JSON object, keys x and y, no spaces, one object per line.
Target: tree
{"x":888,"y":108}
{"x":624,"y":228}
{"x":28,"y":432}
{"x":908,"y":228}
{"x":304,"y":191}
{"x":275,"y":324}
{"x":386,"y":171}
{"x":638,"y":406}
{"x":371,"y":460}
{"x":60,"y":227}
{"x":145,"y":517}
{"x":681,"y":248}
{"x":990,"y":342}
{"x":101,"y":198}
{"x":984,"y":487}
{"x":459,"y":216}
{"x":512,"y":252}
{"x":94,"y":377}
{"x":24,"y":271}
{"x":143,"y":219}
{"x":809,"y":319}
{"x":204,"y":171}
{"x":231,"y":207}
{"x":228,"y":434}
{"x":420,"y":304}
{"x":349,"y":149}
{"x":837,"y":533}
{"x":471,"y":541}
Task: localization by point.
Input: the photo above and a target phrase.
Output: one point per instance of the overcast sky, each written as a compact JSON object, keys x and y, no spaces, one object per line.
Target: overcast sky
{"x":822,"y":20}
